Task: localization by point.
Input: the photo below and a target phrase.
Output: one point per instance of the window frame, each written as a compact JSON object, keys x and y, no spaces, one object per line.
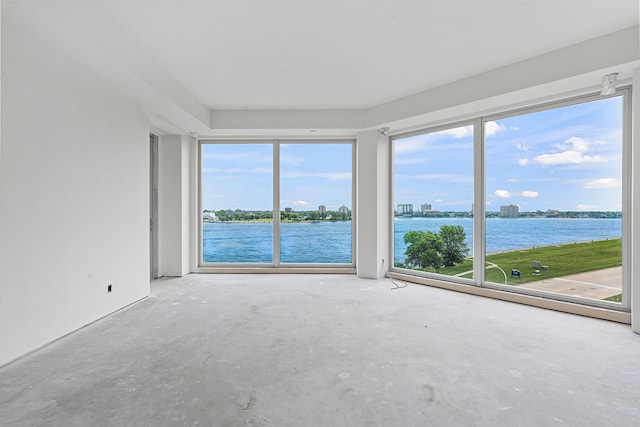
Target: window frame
{"x":479,"y":232}
{"x":423,"y":131}
{"x":276,"y":264}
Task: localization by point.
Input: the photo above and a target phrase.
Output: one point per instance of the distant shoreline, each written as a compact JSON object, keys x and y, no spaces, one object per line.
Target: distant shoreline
{"x":263,"y":221}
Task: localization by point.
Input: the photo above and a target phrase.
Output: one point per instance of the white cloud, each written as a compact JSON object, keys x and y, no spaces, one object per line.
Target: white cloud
{"x":492,"y":128}
{"x":523,"y":162}
{"x":587,"y":207}
{"x":302,"y":203}
{"x":603,"y":183}
{"x":522,"y":146}
{"x":503,"y":194}
{"x":567,"y":157}
{"x":512,"y":180}
{"x":528,"y":193}
{"x":574,"y":143}
{"x":457,"y":133}
{"x":572,"y":151}
{"x":438,"y":201}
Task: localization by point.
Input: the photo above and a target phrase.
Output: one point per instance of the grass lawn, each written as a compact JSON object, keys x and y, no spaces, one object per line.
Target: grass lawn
{"x":615,"y":298}
{"x":561,"y":259}
{"x":465,"y":265}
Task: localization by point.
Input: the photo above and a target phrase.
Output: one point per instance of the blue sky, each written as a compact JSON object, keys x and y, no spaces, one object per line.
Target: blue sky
{"x":567,"y":159}
{"x":240,"y":176}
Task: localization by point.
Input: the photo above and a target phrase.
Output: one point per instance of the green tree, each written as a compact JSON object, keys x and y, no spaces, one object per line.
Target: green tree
{"x":424,"y":250}
{"x":454,"y":247}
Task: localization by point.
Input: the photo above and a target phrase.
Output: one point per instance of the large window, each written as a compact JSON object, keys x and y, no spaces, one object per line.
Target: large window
{"x":315,"y":201}
{"x":554,"y":200}
{"x":548,"y":189}
{"x":433,"y":201}
{"x":237,"y":195}
{"x":309,"y":183}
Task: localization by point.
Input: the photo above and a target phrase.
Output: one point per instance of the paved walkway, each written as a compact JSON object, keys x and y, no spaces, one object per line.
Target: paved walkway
{"x":597,"y":284}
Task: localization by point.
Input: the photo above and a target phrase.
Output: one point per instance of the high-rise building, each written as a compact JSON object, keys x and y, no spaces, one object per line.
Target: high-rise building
{"x":425,"y":207}
{"x":509,"y":211}
{"x":322,"y":209}
{"x":405,"y":209}
{"x":343,"y":209}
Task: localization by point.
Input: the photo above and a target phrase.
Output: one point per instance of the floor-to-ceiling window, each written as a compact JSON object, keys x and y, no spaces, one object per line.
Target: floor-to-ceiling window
{"x":316,"y":203}
{"x":237,"y":197}
{"x":433,"y":201}
{"x":310,"y":184}
{"x":553,"y":216}
{"x":550,"y":182}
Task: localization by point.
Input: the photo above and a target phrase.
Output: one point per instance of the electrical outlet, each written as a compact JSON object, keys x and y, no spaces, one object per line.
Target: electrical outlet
{"x":109,"y":288}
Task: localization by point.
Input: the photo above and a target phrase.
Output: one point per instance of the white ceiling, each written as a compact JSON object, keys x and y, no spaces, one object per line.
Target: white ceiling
{"x":345,"y":54}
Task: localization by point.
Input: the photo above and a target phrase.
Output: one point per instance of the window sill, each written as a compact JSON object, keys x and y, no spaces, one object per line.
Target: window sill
{"x":566,"y":307}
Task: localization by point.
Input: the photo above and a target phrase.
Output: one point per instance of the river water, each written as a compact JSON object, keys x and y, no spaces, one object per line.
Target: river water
{"x":330,"y":242}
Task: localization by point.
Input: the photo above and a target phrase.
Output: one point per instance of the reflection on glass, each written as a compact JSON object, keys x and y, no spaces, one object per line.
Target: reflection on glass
{"x":236,"y":202}
{"x":433,"y":192}
{"x":554,"y":200}
{"x":315,"y":211}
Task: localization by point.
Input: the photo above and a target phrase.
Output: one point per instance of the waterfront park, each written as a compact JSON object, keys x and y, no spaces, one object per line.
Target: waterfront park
{"x":559,"y":260}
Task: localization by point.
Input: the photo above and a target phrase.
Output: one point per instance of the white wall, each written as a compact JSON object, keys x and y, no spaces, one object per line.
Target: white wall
{"x":635,"y":224}
{"x":74,"y":195}
{"x":373,"y":214}
{"x":174,"y":204}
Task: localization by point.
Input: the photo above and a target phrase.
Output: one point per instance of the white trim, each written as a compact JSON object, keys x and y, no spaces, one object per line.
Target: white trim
{"x":479,"y":204}
{"x":627,"y":197}
{"x":566,"y":307}
{"x":275,"y":191}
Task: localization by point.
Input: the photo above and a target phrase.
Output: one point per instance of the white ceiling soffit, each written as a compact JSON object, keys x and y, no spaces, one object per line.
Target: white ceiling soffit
{"x":236,"y":64}
{"x":349,"y":54}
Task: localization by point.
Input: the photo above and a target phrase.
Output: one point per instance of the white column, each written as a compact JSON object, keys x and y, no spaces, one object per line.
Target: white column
{"x":372,"y":210}
{"x":635,"y":223}
{"x":174,"y":205}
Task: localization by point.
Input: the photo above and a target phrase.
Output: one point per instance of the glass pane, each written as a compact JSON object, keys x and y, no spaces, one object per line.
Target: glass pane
{"x":315,"y":194}
{"x":237,"y":182}
{"x":433,"y":191}
{"x":554,"y":200}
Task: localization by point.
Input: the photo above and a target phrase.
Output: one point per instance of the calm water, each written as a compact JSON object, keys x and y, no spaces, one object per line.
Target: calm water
{"x":306,"y":242}
{"x":330,"y":242}
{"x":504,"y":234}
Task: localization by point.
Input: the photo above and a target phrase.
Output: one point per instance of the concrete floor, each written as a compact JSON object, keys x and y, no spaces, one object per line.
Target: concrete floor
{"x":327,"y":350}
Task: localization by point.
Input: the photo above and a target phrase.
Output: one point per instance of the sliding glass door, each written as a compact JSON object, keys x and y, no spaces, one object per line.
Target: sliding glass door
{"x":237,"y":195}
{"x":309,"y":182}
{"x":316,"y":203}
